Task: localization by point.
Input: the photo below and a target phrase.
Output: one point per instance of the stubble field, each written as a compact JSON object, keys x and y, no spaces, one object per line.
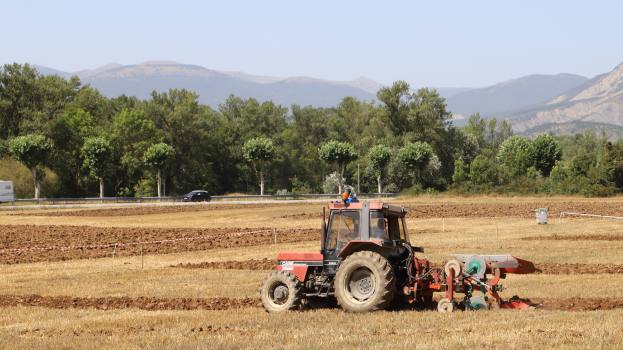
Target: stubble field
{"x":187,"y":277}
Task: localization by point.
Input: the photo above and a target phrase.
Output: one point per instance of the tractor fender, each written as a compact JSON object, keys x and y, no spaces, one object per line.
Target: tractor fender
{"x":374,"y":245}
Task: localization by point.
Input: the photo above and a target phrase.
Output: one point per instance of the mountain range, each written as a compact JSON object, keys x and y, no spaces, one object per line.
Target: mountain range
{"x":215,"y":86}
{"x":560,"y":103}
{"x":597,"y":103}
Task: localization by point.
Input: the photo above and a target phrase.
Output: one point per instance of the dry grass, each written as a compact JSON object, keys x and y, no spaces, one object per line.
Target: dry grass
{"x":252,"y":328}
{"x":35,"y":327}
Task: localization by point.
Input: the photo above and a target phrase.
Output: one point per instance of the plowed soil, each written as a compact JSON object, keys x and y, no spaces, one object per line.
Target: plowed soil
{"x":253,"y":264}
{"x":518,"y":208}
{"x":545,"y":268}
{"x":112,"y":303}
{"x":584,"y":237}
{"x":33,"y":243}
{"x":152,"y":303}
{"x":164,"y":209}
{"x":581,"y":304}
{"x":573,"y":269}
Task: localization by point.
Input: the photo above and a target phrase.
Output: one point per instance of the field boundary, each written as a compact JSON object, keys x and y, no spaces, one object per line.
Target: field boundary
{"x":567,"y":213}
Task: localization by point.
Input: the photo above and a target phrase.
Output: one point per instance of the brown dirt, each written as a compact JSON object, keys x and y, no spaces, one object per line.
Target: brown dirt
{"x":518,"y":208}
{"x":165,"y":209}
{"x":115,"y":303}
{"x":53,"y":243}
{"x":573,"y":269}
{"x":580,"y":304}
{"x":152,"y":303}
{"x":253,"y":264}
{"x":545,"y":268}
{"x":583,"y":237}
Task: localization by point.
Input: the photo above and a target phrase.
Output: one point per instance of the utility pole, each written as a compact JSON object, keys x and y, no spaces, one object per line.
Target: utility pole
{"x":358,"y":178}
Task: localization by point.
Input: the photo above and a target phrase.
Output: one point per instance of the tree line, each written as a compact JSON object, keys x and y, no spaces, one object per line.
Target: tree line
{"x":59,"y":137}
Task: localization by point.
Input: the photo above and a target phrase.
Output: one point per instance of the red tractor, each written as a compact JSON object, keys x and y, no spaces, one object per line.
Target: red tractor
{"x":367,"y":263}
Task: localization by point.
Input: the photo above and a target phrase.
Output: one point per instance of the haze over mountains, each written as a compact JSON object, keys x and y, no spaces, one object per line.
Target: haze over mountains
{"x":214,"y":86}
{"x":560,"y":103}
{"x":509,"y":96}
{"x":598,"y":103}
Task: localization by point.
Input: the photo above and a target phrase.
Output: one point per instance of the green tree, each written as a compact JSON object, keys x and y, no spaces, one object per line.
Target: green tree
{"x":517,"y":153}
{"x":546,"y":152}
{"x":157,"y":156}
{"x":460,"y":171}
{"x":132,"y":132}
{"x":33,"y":151}
{"x":68,"y":132}
{"x":498,"y":132}
{"x":415,"y":157}
{"x":259,"y":152}
{"x":483,"y":171}
{"x":339,"y":154}
{"x":18,"y":93}
{"x":97,"y":154}
{"x":396,"y":101}
{"x":379,"y":157}
{"x":476,"y":128}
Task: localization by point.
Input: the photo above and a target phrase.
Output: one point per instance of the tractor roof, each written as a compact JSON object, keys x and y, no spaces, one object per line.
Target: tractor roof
{"x":339,"y":205}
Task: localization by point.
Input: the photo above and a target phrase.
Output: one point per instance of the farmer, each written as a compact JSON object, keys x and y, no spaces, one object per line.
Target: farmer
{"x":348,"y":197}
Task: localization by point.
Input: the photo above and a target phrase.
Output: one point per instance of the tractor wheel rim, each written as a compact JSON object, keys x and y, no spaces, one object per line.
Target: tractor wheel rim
{"x":362,"y":284}
{"x":280,"y":294}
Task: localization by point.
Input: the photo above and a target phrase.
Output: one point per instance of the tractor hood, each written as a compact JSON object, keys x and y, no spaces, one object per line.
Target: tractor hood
{"x":299,"y":256}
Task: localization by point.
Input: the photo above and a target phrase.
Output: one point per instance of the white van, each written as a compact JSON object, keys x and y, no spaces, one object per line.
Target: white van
{"x":6,"y":191}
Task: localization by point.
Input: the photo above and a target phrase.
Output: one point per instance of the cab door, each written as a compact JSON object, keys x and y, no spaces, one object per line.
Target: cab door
{"x":343,"y":228}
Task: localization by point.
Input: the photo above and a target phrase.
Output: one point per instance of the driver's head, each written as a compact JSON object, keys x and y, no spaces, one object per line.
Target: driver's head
{"x":380,"y":224}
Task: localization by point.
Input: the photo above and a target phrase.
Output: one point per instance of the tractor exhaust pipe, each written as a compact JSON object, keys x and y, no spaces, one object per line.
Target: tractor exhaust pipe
{"x":323,"y":229}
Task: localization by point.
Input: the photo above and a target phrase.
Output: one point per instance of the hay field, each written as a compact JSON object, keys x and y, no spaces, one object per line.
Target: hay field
{"x":82,"y":291}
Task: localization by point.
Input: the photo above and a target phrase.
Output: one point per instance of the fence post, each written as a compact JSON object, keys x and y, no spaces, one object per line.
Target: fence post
{"x":275,"y":235}
{"x":497,"y":233}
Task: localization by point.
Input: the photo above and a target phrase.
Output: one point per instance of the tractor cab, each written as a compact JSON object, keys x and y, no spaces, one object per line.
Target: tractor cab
{"x":360,"y":226}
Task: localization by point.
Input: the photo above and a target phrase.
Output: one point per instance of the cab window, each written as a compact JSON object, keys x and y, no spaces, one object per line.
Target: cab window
{"x":344,"y":228}
{"x":403,"y":230}
{"x":396,"y":227}
{"x":378,"y":225}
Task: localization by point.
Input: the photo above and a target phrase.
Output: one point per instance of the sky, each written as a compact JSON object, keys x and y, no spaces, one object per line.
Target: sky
{"x":427,"y":43}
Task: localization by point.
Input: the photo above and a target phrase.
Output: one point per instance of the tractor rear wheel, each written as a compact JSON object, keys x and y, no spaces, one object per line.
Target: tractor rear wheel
{"x":281,"y":291}
{"x":364,"y":282}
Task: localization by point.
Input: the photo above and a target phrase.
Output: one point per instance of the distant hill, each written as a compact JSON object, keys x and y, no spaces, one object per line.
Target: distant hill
{"x":214,"y":86}
{"x":598,"y":101}
{"x":611,"y":131}
{"x":51,"y":71}
{"x":521,"y":93}
{"x":448,"y":92}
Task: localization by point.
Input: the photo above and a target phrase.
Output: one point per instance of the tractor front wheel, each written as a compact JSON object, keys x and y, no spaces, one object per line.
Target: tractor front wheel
{"x":364,"y":282}
{"x":281,"y":291}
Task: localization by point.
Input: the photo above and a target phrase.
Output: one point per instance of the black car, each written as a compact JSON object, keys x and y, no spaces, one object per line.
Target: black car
{"x":196,"y":196}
